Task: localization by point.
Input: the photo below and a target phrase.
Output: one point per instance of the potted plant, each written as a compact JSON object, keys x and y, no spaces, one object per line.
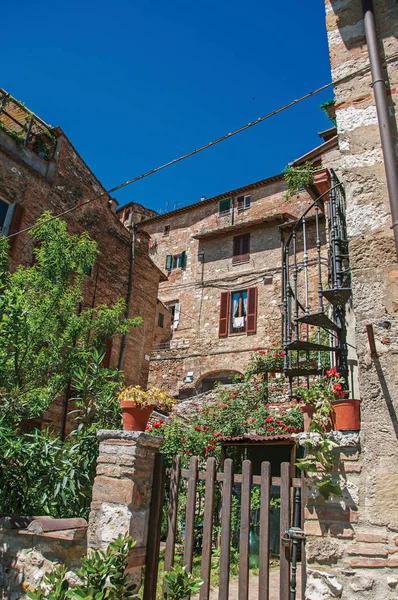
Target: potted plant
{"x":317,"y":400}
{"x":137,"y":405}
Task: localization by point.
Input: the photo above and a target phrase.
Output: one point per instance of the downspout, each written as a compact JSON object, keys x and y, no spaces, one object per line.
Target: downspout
{"x":386,"y":134}
{"x":129,"y":289}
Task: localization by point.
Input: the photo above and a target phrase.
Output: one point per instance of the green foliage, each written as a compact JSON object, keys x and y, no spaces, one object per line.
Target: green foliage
{"x":328,"y":109}
{"x":45,"y":335}
{"x":180,"y":583}
{"x":102,"y":574}
{"x":48,"y":344}
{"x":298,"y":177}
{"x":40,"y":474}
{"x":320,"y":460}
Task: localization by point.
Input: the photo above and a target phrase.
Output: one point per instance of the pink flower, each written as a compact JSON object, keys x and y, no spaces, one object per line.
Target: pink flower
{"x":252,"y":420}
{"x":217,"y":434}
{"x":269,"y":419}
{"x":197,"y":428}
{"x":148,"y":428}
{"x":244,"y":422}
{"x":223,"y":406}
{"x":271,"y":429}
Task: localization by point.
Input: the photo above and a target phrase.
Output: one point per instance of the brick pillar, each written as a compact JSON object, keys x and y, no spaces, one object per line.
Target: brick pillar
{"x":348,"y":556}
{"x":122,"y":492}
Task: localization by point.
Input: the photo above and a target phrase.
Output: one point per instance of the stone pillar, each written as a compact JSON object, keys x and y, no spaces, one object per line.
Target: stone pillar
{"x":348,"y":557}
{"x":122,"y":492}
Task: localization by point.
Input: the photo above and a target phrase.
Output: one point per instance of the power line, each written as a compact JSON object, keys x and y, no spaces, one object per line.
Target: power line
{"x":210,"y":144}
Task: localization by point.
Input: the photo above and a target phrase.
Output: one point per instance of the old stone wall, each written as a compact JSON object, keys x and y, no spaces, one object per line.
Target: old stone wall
{"x":353,"y":543}
{"x":25,"y":557}
{"x":68,"y":183}
{"x":196,"y":350}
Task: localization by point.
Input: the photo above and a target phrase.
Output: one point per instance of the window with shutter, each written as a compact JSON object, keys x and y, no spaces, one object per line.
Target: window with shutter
{"x":182,"y":260}
{"x":169,"y":262}
{"x":243,"y":202}
{"x":251,"y":310}
{"x":241,"y":249}
{"x":224,"y":312}
{"x":224,"y":207}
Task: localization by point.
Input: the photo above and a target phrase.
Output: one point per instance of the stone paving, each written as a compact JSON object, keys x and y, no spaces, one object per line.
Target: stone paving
{"x":253,"y":587}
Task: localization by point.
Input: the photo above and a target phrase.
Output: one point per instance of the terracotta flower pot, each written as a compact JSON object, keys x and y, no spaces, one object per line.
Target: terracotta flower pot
{"x":346,"y":415}
{"x":322,"y":182}
{"x":135,"y":418}
{"x":308,"y":412}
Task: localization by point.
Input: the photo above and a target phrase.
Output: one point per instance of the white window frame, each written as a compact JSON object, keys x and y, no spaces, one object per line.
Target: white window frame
{"x":4,"y":230}
{"x":246,"y":204}
{"x":224,"y":212}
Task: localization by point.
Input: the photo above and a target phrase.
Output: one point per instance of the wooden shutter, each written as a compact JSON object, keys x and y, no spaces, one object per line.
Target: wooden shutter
{"x":236,"y":250}
{"x":245,"y":254}
{"x":108,"y":352}
{"x":15,"y":223}
{"x":224,"y":315}
{"x":169,"y":262}
{"x":251,"y":317}
{"x":182,"y":259}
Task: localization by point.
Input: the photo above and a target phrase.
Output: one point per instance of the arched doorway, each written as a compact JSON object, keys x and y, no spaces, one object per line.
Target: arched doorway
{"x":209,"y":380}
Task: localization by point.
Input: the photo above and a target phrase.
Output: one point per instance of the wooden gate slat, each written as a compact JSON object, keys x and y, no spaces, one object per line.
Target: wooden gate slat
{"x":226,"y":511}
{"x":207,"y":528}
{"x":245,"y":531}
{"x":190,"y":513}
{"x":155,"y":523}
{"x":284,"y":525}
{"x":263,"y":576}
{"x":303,"y":551}
{"x":175,"y":474}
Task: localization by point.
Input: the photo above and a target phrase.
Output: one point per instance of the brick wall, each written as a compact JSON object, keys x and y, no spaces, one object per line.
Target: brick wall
{"x":68,"y":182}
{"x":209,"y":270}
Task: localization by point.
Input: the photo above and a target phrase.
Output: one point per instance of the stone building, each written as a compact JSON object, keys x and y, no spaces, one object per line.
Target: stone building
{"x":41,"y":170}
{"x":222,"y":296}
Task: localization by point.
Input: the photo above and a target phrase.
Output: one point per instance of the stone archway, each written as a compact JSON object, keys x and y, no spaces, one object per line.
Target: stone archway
{"x":208,"y":380}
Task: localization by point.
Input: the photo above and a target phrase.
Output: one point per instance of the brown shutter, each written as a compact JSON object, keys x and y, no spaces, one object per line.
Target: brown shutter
{"x":108,"y":352}
{"x":245,"y":247}
{"x":224,"y":315}
{"x":15,"y":223}
{"x":251,"y":317}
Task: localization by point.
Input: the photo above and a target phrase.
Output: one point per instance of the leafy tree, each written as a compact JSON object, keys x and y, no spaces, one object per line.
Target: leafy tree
{"x":47,"y":338}
{"x":48,"y":342}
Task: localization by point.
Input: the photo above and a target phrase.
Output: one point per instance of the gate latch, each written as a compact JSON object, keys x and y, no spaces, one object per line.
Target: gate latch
{"x":294,"y":533}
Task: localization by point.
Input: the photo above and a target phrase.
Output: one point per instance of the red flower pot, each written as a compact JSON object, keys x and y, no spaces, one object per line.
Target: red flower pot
{"x":308,"y":412}
{"x":346,"y":415}
{"x":135,"y":418}
{"x":322,"y":182}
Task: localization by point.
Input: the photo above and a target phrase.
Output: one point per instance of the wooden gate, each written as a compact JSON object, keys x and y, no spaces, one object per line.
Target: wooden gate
{"x":201,"y":508}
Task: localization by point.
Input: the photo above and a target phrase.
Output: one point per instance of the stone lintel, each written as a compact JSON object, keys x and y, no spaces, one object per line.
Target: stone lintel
{"x":138,"y":437}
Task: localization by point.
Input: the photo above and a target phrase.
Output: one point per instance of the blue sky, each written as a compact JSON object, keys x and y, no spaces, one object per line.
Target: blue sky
{"x":134,"y":84}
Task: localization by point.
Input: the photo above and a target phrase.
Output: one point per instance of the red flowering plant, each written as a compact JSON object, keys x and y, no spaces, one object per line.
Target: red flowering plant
{"x":265,"y":360}
{"x":238,"y":410}
{"x":320,"y":458}
{"x":321,"y":393}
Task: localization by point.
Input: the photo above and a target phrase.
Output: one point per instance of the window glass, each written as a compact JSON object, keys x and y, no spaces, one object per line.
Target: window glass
{"x":166,"y":230}
{"x":4,"y":206}
{"x":238,"y":311}
{"x":160,"y":319}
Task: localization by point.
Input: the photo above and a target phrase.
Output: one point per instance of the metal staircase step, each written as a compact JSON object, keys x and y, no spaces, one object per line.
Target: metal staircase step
{"x":338,"y":296}
{"x":301,"y":345}
{"x":301,"y":372}
{"x":319,"y":319}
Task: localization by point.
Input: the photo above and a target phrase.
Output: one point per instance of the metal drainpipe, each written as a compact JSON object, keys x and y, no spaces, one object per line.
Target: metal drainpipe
{"x":386,"y":134}
{"x":129,"y":289}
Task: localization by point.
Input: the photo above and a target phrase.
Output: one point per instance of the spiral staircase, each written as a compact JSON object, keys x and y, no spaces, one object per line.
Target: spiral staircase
{"x":316,"y":286}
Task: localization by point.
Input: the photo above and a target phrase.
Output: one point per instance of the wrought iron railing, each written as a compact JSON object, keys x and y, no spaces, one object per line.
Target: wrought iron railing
{"x":316,"y":287}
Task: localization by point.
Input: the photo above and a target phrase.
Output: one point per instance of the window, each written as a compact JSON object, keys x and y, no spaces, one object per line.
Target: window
{"x":175,"y":309}
{"x":175,"y":261}
{"x":10,"y":218}
{"x":244,"y":203}
{"x":224,"y":207}
{"x":166,"y":230}
{"x":241,"y":249}
{"x":238,"y":312}
{"x":160,"y":320}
